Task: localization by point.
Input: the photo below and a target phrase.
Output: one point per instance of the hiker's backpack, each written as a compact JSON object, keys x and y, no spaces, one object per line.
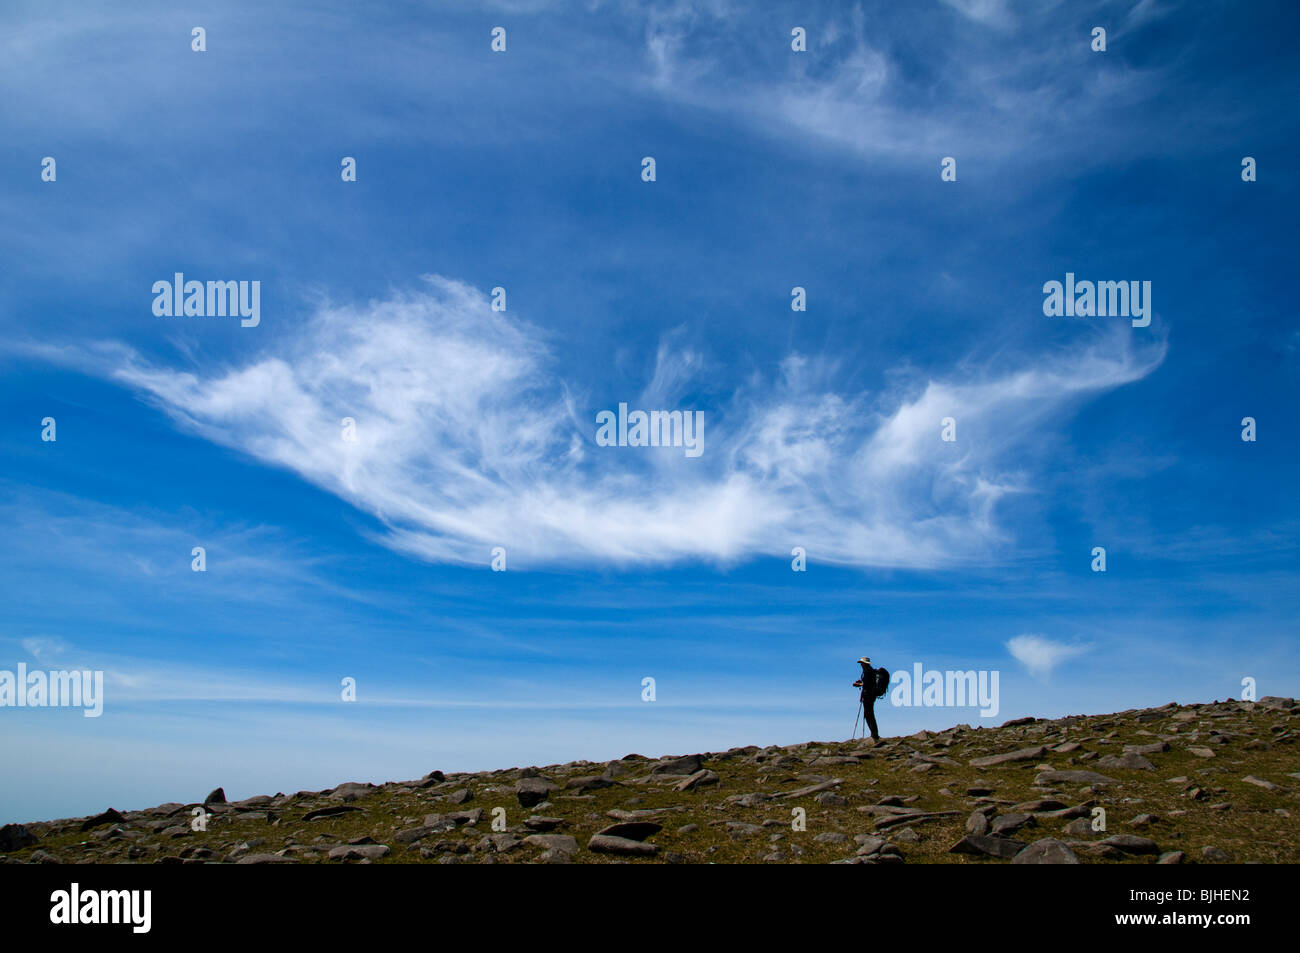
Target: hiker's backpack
{"x":882,"y":682}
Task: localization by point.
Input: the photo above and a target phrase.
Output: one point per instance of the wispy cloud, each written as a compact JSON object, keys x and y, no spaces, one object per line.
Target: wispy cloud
{"x":466,"y":438}
{"x":1041,"y":655}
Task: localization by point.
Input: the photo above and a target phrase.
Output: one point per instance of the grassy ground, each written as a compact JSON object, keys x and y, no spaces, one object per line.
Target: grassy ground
{"x":1211,"y":806}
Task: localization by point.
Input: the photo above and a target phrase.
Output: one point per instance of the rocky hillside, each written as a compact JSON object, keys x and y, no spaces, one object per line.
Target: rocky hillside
{"x":1212,"y":783}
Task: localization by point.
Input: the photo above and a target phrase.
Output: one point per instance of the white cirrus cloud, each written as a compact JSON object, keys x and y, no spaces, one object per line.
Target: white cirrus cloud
{"x":468,"y":438}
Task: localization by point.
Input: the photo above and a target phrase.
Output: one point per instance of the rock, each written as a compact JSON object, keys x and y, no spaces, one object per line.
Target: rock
{"x":832,"y":837}
{"x":1261,"y":783}
{"x":110,"y":816}
{"x":1172,"y":857}
{"x":979,"y":792}
{"x":432,"y":778}
{"x":982,"y":845}
{"x":1158,"y":747}
{"x":1131,"y":844}
{"x":265,"y":859}
{"x":1201,"y":752}
{"x":328,"y":812}
{"x":563,"y":842}
{"x":741,"y":829}
{"x":1079,"y":827}
{"x":16,"y":837}
{"x":503,"y":842}
{"x":218,"y":796}
{"x":553,"y":855}
{"x":1276,"y":702}
{"x":1010,"y":823}
{"x":1215,"y":855}
{"x":699,"y":779}
{"x":532,"y":791}
{"x":45,"y":857}
{"x":812,"y":788}
{"x":592,"y":782}
{"x":460,"y":797}
{"x":543,"y":824}
{"x":468,"y":818}
{"x":829,"y":799}
{"x":605,"y":844}
{"x":687,"y":764}
{"x":1024,"y":754}
{"x":1048,"y":850}
{"x":370,"y":852}
{"x":977,"y":823}
{"x":1144,"y":820}
{"x":907,"y":836}
{"x":869,"y":844}
{"x":352,"y":790}
{"x":1040,"y":805}
{"x":1072,"y":777}
{"x":631,"y":830}
{"x":1126,"y":762}
{"x":413,"y":834}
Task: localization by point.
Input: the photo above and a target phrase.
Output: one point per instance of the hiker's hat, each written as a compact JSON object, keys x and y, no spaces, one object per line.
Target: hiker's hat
{"x":864,"y":661}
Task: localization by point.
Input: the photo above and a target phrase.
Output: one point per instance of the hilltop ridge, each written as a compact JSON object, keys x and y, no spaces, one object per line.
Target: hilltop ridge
{"x":1204,"y":783}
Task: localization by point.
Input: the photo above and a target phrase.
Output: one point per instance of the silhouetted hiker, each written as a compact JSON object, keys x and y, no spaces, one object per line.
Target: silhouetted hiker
{"x":873,"y":684}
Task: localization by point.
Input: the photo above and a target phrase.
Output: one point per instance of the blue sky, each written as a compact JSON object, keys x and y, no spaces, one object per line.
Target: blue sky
{"x":476,"y":429}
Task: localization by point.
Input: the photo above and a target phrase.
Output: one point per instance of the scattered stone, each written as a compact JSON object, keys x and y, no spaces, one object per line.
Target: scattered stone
{"x":1215,"y":855}
{"x":562,"y":842}
{"x":699,"y":779}
{"x":15,"y":837}
{"x":631,"y":830}
{"x":1201,"y":752}
{"x":533,"y":791}
{"x":1024,"y":754}
{"x":328,"y":812}
{"x":1126,"y":762}
{"x":1131,"y":844}
{"x":1048,"y":850}
{"x":266,"y":859}
{"x":1172,"y":857}
{"x":981,"y":845}
{"x":1010,"y":823}
{"x":217,"y":796}
{"x":1158,"y":747}
{"x":1072,"y":777}
{"x":607,"y":844}
{"x":687,"y":764}
{"x":1261,"y":783}
{"x":110,"y":816}
{"x":371,"y":852}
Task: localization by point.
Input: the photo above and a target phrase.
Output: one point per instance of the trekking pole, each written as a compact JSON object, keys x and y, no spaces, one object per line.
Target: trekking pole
{"x":855,"y":719}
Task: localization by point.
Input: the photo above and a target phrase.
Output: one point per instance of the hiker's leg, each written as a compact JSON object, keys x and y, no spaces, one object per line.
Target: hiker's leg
{"x":869,"y":707}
